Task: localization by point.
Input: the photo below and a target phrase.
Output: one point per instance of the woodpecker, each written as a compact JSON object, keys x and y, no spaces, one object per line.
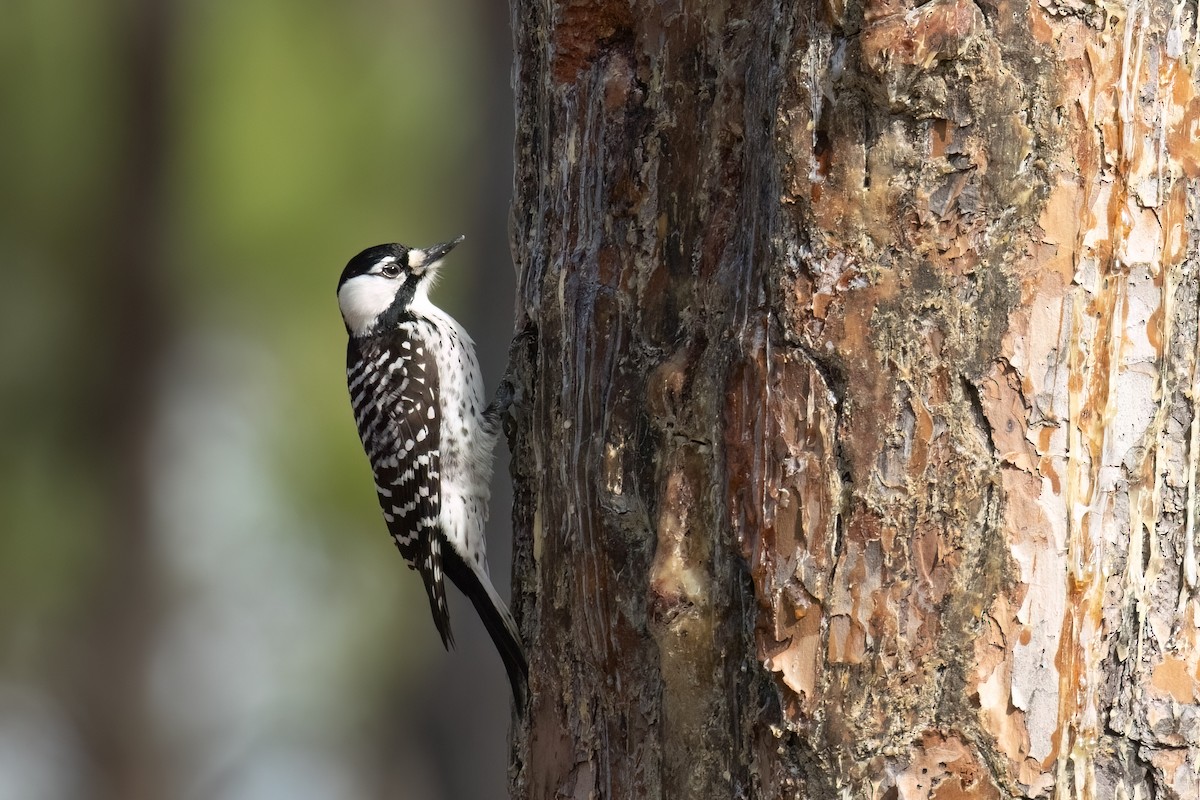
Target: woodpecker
{"x":417,"y":396}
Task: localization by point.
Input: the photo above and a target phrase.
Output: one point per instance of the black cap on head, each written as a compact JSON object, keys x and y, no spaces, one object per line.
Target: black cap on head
{"x":368,"y":258}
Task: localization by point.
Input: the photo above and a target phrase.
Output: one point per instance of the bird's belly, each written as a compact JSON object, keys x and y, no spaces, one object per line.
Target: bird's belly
{"x":464,"y":512}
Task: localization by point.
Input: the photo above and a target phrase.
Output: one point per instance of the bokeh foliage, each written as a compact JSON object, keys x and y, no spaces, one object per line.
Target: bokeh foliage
{"x":294,"y":133}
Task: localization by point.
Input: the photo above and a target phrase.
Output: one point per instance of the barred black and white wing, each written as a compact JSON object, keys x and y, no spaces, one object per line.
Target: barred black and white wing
{"x":393,"y":384}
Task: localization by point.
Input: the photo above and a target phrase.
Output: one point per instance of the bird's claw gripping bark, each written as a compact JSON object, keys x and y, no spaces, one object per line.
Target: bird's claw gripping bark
{"x":510,"y":391}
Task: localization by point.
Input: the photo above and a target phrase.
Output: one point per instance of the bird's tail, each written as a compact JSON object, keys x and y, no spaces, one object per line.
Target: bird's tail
{"x":496,"y":619}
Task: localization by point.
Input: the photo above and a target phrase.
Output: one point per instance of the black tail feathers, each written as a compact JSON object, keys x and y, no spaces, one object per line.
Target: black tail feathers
{"x":496,"y":619}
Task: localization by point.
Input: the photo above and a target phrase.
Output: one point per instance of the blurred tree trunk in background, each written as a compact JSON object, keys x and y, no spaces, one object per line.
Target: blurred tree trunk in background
{"x":107,"y":665}
{"x":859,"y":457}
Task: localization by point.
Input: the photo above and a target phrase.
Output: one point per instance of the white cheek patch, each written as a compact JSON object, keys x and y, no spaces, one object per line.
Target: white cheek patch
{"x":363,"y":298}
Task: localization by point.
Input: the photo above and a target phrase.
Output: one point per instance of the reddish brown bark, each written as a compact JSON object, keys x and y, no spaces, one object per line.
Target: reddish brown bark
{"x":859,"y":451}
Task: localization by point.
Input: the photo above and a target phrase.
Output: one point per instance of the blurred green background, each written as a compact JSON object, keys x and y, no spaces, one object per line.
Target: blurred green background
{"x":198,"y":598}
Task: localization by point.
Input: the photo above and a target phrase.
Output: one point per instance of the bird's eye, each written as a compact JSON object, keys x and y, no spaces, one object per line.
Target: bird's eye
{"x":390,"y":270}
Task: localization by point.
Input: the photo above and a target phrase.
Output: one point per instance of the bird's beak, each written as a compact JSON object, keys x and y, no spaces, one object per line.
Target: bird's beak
{"x":424,"y":259}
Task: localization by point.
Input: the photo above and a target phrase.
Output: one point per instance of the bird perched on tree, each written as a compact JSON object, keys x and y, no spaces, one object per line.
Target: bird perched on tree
{"x":417,"y":395}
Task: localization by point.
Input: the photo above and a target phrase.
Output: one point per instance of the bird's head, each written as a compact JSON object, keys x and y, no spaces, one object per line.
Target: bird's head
{"x":383,"y":282}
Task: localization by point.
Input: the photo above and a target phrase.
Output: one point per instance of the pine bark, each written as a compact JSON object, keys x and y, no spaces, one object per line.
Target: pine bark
{"x":857,"y":451}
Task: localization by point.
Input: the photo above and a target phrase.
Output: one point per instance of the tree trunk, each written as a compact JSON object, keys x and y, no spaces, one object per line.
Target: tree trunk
{"x":106,"y":667}
{"x":858,"y":453}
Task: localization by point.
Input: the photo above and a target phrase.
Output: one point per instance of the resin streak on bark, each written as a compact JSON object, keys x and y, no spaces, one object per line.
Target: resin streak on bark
{"x":631,"y":237}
